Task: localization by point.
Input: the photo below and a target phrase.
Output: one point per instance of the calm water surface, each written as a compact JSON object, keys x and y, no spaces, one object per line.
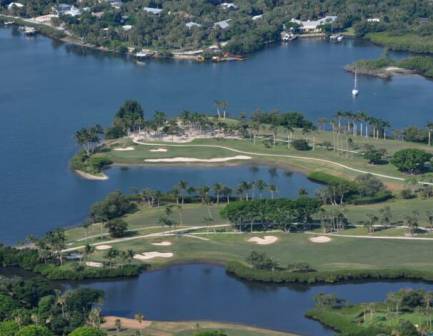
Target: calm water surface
{"x":48,"y":91}
{"x":204,"y":292}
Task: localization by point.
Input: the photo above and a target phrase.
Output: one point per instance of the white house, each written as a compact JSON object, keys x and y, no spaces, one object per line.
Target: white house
{"x":66,"y":9}
{"x":257,"y":17}
{"x":313,"y":26}
{"x":127,"y":27}
{"x":151,"y":10}
{"x":13,"y":5}
{"x":229,"y":5}
{"x":222,"y":24}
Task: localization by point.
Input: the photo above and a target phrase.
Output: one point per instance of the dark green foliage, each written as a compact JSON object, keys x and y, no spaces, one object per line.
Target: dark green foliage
{"x":115,"y":205}
{"x":411,"y":160}
{"x":34,"y":330}
{"x":261,"y":261}
{"x":406,"y":328}
{"x":87,"y":331}
{"x":129,"y":117}
{"x":285,"y":276}
{"x":375,"y":155}
{"x":280,"y":213}
{"x":301,"y":145}
{"x":117,"y":227}
{"x":415,"y":134}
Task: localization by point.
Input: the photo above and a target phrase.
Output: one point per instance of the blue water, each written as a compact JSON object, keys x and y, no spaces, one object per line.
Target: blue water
{"x":47,"y":91}
{"x":205,"y":292}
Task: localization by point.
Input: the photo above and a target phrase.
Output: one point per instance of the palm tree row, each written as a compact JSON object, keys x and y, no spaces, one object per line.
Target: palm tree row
{"x":183,"y":192}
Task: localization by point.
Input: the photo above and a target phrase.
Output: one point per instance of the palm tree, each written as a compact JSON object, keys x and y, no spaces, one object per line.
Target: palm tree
{"x":218,"y":107}
{"x":139,"y":318}
{"x":273,"y":190}
{"x":261,"y":186}
{"x":61,"y":301}
{"x":227,"y":192}
{"x":218,"y":189}
{"x":182,"y":186}
{"x":430,"y":130}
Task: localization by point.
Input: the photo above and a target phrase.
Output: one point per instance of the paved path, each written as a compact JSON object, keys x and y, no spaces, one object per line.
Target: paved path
{"x":305,"y":158}
{"x":150,"y":235}
{"x":370,"y":237}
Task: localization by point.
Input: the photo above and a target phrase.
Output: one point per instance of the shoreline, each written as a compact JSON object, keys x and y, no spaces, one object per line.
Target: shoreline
{"x":385,"y":73}
{"x":73,"y":40}
{"x":91,"y":177}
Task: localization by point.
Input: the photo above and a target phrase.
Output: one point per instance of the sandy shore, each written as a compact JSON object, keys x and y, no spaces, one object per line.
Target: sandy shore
{"x":195,"y":160}
{"x":88,"y":176}
{"x":110,"y":323}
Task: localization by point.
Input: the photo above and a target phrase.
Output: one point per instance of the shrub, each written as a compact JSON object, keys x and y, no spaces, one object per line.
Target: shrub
{"x":411,"y":160}
{"x":87,"y":331}
{"x":301,"y":145}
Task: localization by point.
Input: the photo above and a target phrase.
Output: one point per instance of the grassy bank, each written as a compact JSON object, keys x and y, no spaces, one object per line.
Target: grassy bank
{"x":403,"y":42}
{"x":191,"y":328}
{"x":386,"y":67}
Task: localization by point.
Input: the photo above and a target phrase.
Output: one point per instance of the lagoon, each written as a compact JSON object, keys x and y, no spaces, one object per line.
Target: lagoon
{"x":206,"y":292}
{"x":49,"y":90}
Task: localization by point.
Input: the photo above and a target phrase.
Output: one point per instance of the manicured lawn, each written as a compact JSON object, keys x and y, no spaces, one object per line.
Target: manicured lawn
{"x":353,"y":160}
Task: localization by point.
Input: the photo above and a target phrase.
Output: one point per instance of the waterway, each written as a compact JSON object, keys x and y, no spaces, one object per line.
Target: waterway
{"x":49,"y":90}
{"x":206,"y":292}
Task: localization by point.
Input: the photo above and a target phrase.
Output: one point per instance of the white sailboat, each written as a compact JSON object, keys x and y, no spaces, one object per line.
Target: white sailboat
{"x":355,"y":90}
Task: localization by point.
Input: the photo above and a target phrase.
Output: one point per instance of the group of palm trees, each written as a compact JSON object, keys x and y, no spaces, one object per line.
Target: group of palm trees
{"x":184,"y":192}
{"x":356,"y":124}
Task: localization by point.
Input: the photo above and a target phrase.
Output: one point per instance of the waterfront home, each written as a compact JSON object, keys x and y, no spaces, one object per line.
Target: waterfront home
{"x":224,"y":24}
{"x":229,"y":5}
{"x":192,"y":24}
{"x":45,"y":19}
{"x":13,"y":5}
{"x":313,"y":26}
{"x":151,"y":10}
{"x":68,"y":10}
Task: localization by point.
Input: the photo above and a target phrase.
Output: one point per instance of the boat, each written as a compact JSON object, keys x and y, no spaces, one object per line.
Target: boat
{"x":8,"y":23}
{"x":29,"y":31}
{"x":287,"y":37}
{"x":141,"y":55}
{"x":336,"y":37}
{"x":355,"y":91}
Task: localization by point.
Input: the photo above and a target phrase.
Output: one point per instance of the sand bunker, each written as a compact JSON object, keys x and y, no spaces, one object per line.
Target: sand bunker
{"x":152,"y":255}
{"x":266,"y":240}
{"x":164,"y":243}
{"x":94,"y":264}
{"x":187,"y":160}
{"x":103,"y":247}
{"x":158,"y":150}
{"x":320,"y":239}
{"x":124,"y":149}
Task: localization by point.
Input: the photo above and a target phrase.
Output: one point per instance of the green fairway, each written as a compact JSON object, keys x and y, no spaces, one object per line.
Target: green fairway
{"x":340,"y":163}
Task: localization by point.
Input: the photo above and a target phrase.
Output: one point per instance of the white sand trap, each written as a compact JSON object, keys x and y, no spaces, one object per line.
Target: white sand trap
{"x":159,"y":150}
{"x":124,"y":149}
{"x":152,"y":255}
{"x":94,"y":264}
{"x":320,"y":239}
{"x":164,"y":243}
{"x":266,"y":240}
{"x":103,"y":247}
{"x":192,"y":160}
